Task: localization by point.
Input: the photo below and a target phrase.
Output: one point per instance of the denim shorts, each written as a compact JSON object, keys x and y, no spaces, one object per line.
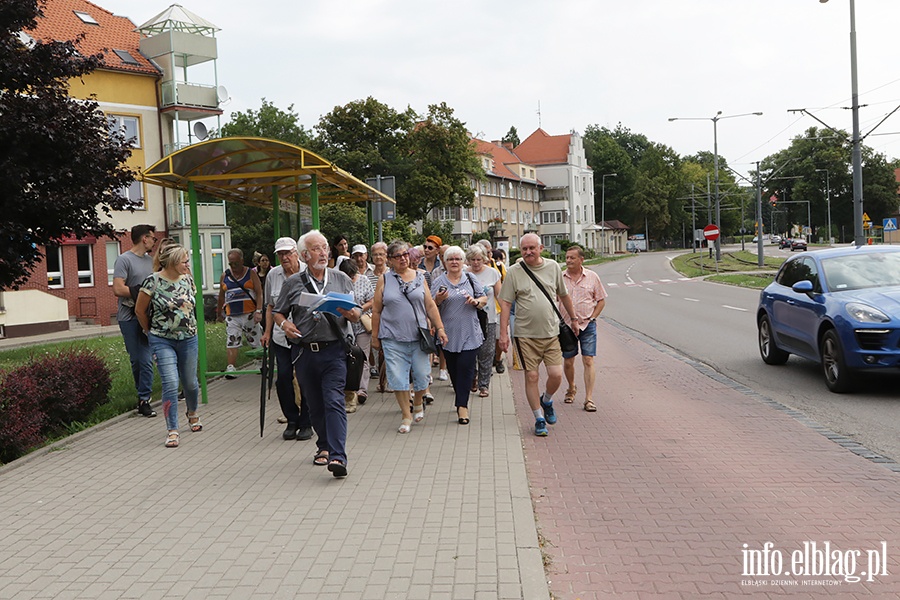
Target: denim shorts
{"x":587,"y":341}
{"x":402,"y":357}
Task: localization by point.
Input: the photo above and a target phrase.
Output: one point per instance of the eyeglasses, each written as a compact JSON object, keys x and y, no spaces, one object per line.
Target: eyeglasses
{"x":403,"y":255}
{"x":452,"y":258}
{"x":430,"y":247}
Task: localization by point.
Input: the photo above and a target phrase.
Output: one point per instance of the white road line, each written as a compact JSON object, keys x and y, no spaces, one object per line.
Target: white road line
{"x":664,"y":294}
{"x":684,"y":279}
{"x":734,"y":308}
{"x":647,"y":281}
{"x":692,"y":300}
{"x":665,"y":281}
{"x":613,"y":284}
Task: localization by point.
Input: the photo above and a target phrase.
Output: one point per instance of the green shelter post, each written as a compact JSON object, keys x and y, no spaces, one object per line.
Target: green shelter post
{"x":197,"y":268}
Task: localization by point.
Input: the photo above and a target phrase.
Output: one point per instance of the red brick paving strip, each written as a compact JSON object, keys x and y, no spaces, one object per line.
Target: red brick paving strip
{"x":654,"y":495}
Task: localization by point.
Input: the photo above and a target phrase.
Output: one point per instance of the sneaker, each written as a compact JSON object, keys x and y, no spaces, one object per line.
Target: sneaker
{"x":229,"y":369}
{"x":547,"y":405}
{"x":540,"y":428}
{"x":443,"y":375}
{"x":373,"y":372}
{"x":304,"y":433}
{"x":500,"y":366}
{"x":145,"y":409}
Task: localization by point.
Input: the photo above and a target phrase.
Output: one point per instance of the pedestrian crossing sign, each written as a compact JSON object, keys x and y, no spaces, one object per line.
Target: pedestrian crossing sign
{"x":890,"y":224}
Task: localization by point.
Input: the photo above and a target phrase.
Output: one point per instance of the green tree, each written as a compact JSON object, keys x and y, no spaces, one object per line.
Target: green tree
{"x":60,"y":167}
{"x":512,"y":137}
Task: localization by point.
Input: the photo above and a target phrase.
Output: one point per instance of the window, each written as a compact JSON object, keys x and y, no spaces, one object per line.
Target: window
{"x":504,"y":215}
{"x":578,"y":213}
{"x":135,"y":195}
{"x":112,"y":253}
{"x":87,"y":18}
{"x":54,"y":266}
{"x":445,"y":213}
{"x":552,"y":216}
{"x":218,"y":256}
{"x":126,"y":57}
{"x":465,"y":214}
{"x":85,"y":261}
{"x":515,"y":215}
{"x":484,"y":187}
{"x":129,"y":126}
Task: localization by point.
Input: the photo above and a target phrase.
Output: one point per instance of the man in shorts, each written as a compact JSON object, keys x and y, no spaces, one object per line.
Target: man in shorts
{"x":588,"y":297}
{"x":537,"y":326}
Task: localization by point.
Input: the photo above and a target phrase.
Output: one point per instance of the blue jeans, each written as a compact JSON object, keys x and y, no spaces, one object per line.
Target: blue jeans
{"x":138,"y":349}
{"x":176,"y":359}
{"x":284,"y":385}
{"x":461,"y":366}
{"x":402,"y":357}
{"x":322,"y":376}
{"x":587,"y":340}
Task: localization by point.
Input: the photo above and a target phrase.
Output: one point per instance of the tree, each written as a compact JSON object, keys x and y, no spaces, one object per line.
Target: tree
{"x":512,"y":137}
{"x":60,"y":166}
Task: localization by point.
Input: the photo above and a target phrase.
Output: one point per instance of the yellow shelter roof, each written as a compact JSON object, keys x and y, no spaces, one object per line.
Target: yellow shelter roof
{"x":246,"y":169}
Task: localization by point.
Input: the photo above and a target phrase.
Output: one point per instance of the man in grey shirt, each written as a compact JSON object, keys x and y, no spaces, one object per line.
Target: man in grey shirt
{"x":129,"y":272}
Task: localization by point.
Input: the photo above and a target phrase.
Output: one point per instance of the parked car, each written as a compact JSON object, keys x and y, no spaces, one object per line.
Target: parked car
{"x":775,"y":239}
{"x":784,"y":243}
{"x":798,"y":244}
{"x":839,"y":307}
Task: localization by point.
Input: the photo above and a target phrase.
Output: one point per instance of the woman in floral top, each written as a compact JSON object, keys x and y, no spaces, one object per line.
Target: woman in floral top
{"x":166,"y":311}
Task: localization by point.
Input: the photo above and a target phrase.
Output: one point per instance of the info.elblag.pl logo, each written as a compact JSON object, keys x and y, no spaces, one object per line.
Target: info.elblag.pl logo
{"x":822,"y":560}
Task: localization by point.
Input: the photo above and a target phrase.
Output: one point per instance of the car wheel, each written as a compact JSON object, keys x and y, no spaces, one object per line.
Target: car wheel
{"x":838,"y":377}
{"x":770,"y":352}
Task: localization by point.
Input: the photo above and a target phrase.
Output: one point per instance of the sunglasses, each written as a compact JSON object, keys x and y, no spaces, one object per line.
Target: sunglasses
{"x":430,"y":247}
{"x":404,"y":255}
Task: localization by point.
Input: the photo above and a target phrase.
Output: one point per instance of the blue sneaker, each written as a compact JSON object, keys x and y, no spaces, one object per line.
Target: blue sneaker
{"x":549,"y":413}
{"x":540,"y":428}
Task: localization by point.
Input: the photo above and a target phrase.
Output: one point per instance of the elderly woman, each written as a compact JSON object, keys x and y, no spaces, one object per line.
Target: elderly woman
{"x":379,"y":260}
{"x":165,"y":309}
{"x":401,"y":304}
{"x":363,"y":293}
{"x":490,"y":279}
{"x":459,"y":295}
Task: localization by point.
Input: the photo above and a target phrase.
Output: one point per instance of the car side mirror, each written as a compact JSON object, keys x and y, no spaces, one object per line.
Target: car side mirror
{"x":803,"y":287}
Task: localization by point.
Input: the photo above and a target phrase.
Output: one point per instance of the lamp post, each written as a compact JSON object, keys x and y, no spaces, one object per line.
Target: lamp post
{"x":827,"y":201}
{"x":603,"y":211}
{"x":715,"y":120}
{"x":856,"y":155}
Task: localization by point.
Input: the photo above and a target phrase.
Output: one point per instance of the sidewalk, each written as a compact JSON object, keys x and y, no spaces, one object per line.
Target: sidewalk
{"x":653,"y":496}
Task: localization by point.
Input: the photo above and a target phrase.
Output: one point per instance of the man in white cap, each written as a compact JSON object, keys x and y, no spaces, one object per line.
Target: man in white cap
{"x":299,"y":425}
{"x":361,"y":258}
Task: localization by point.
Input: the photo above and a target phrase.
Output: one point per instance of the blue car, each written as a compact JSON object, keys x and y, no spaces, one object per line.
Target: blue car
{"x":839,"y":307}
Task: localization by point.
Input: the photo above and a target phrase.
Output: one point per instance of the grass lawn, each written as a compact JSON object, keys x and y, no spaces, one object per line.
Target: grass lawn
{"x":699,"y":264}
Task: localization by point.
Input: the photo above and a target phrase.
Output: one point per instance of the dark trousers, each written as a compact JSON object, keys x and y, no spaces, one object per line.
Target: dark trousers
{"x":322,"y":375}
{"x":284,"y":386}
{"x":461,"y":366}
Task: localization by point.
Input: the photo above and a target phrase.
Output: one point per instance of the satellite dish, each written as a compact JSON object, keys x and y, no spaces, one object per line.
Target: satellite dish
{"x":222,"y":94}
{"x":200,"y":131}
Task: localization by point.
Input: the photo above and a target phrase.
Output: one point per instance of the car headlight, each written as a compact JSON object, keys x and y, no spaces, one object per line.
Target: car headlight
{"x":865,"y":313}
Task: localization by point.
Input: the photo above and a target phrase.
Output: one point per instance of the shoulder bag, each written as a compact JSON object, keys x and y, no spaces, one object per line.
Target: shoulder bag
{"x":482,"y":313}
{"x":568,"y":341}
{"x":426,"y":340}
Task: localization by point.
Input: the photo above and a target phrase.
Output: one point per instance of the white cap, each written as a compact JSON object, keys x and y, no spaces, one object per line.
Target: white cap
{"x":358,"y":249}
{"x":285,"y":243}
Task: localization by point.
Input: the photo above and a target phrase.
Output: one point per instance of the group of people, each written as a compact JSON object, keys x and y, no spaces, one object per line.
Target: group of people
{"x":463,"y":308}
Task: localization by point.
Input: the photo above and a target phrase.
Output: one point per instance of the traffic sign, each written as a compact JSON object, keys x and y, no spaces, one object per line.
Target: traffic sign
{"x":711,"y":232}
{"x":890,"y":224}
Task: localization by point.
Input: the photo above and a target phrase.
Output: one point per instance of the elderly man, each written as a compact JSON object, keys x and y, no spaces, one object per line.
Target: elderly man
{"x":299,"y":425}
{"x":321,"y":364}
{"x":361,"y":258}
{"x":588,"y":297}
{"x":129,"y":272}
{"x":537,"y":326}
{"x":240,"y":305}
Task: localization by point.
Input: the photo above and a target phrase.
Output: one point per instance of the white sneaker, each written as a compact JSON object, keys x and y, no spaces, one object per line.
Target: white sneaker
{"x":443,"y":375}
{"x":230,"y":369}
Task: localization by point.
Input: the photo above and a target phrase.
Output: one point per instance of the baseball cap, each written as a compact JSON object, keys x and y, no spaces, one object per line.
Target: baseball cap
{"x":358,"y":249}
{"x":434,"y":240}
{"x":285,"y":243}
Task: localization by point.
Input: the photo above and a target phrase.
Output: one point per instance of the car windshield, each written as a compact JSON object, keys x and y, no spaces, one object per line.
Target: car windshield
{"x":858,"y":271}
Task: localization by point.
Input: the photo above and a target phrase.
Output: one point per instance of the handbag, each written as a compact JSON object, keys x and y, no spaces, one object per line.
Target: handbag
{"x":426,"y":340}
{"x":366,"y":322}
{"x":568,"y":341}
{"x":482,"y":313}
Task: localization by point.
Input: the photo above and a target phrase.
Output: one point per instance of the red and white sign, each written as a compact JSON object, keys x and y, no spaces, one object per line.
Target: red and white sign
{"x":711,"y":232}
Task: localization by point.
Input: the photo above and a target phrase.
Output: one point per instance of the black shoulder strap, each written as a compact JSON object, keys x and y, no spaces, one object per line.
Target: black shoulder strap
{"x":542,"y":288}
{"x":334,"y":326}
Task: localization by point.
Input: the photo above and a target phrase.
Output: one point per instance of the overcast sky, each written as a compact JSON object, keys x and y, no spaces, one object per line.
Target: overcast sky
{"x":635,"y":62}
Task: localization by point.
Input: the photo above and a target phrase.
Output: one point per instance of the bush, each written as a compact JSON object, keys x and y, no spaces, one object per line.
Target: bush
{"x":42,"y":398}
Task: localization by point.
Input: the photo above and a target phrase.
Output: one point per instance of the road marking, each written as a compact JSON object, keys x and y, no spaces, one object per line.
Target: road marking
{"x":613,"y":284}
{"x":734,"y":308}
{"x":648,"y":281}
{"x":664,"y":294}
{"x":692,"y":300}
{"x":665,"y":281}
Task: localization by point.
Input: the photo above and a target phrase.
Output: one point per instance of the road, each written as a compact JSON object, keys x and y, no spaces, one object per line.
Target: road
{"x":715,"y":325}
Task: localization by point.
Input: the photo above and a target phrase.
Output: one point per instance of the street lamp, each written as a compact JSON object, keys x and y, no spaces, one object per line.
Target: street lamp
{"x":827,"y":200}
{"x":858,"y":238}
{"x":603,"y":211}
{"x":715,"y":120}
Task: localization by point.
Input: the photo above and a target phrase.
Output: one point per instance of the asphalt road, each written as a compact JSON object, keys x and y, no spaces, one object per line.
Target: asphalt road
{"x":715,"y":324}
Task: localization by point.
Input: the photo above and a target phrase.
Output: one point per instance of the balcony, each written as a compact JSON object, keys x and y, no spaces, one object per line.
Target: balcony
{"x":191,"y":100}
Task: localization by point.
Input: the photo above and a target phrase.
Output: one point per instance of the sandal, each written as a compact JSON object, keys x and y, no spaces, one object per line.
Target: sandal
{"x":419,"y":414}
{"x":460,"y":419}
{"x":172,"y":439}
{"x":570,"y":395}
{"x":590,"y":406}
{"x":337,"y":468}
{"x":404,"y":426}
{"x":194,"y":422}
{"x":321,"y":458}
{"x":428,"y":398}
{"x":483,"y":393}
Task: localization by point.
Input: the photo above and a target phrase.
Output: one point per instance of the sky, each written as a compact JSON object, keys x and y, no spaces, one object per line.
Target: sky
{"x":567,"y":64}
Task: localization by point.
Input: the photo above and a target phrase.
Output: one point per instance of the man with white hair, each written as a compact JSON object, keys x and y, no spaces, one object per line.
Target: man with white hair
{"x":321,"y":358}
{"x":299,"y":425}
{"x":537,"y":326}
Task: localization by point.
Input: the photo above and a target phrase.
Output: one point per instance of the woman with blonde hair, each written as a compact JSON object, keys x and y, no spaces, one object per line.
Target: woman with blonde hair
{"x":490,"y":279}
{"x":166,"y":309}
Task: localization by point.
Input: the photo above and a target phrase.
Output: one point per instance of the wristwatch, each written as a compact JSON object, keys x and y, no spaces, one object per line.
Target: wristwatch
{"x":592,"y":320}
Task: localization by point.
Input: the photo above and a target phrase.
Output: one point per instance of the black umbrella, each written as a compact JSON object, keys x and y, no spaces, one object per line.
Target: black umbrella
{"x":263,"y":371}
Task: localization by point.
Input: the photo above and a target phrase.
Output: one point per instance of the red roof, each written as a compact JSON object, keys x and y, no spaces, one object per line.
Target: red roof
{"x":541,"y":148}
{"x":60,"y":23}
{"x":503,"y":157}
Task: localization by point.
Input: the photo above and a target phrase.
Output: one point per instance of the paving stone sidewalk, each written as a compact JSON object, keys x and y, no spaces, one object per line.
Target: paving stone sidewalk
{"x":656,"y":494}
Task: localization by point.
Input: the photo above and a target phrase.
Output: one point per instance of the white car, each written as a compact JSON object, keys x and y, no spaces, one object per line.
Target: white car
{"x":775,"y":239}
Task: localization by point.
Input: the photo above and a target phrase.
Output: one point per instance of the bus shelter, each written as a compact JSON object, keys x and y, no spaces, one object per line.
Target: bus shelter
{"x":257,"y":172}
